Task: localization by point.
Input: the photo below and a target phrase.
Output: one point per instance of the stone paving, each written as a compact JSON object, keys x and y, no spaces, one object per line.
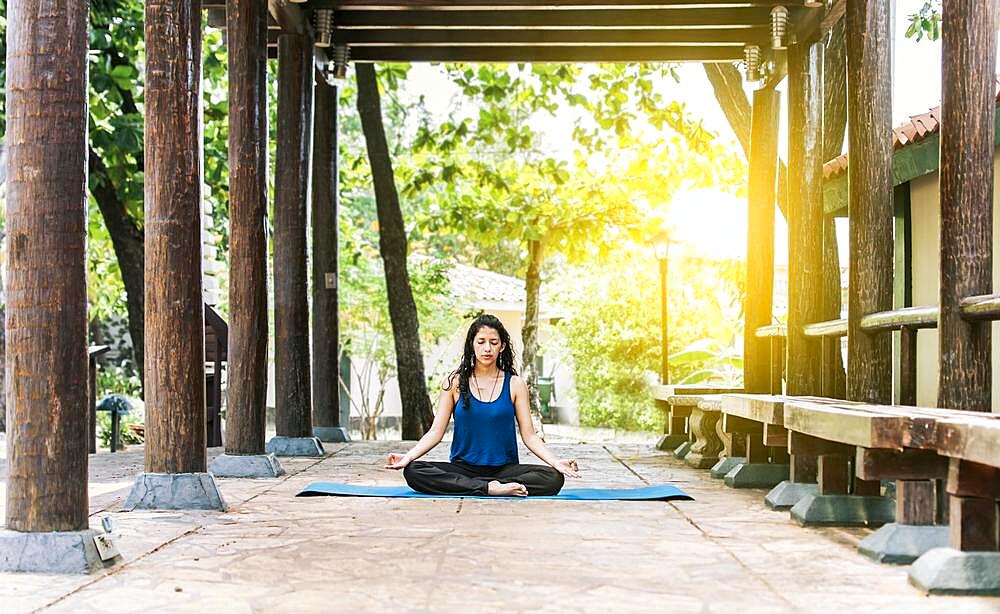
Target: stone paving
{"x":723,"y":552}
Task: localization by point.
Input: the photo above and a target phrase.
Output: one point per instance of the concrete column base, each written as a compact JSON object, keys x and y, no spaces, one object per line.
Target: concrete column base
{"x":946,"y":571}
{"x":682,"y":450}
{"x":788,"y":493}
{"x":756,"y":475}
{"x":901,"y":544}
{"x":669,"y":442}
{"x":56,"y":552}
{"x":174,"y":491}
{"x":331,"y":434}
{"x":844,"y":511}
{"x":249,"y":466}
{"x":725,"y":465}
{"x":294,"y":446}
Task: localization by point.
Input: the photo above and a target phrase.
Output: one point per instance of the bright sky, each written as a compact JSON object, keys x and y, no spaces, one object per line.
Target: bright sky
{"x":916,"y":88}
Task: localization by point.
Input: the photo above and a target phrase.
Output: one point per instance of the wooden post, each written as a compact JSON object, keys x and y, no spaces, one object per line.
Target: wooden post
{"x":247,"y":367}
{"x":968,"y":105}
{"x":175,"y":320}
{"x":46,"y":223}
{"x":805,"y":215}
{"x":325,"y":329}
{"x":760,"y":238}
{"x":869,"y":364}
{"x":291,"y":309}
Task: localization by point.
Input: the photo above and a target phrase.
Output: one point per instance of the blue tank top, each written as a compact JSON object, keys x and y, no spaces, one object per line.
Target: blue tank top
{"x":484,"y":433}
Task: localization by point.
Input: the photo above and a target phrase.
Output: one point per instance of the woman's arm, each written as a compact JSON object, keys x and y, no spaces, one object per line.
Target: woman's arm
{"x":445,"y":407}
{"x":519,"y":392}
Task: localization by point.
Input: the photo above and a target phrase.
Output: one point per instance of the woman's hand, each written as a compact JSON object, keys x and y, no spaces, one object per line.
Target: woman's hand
{"x":568,"y":467}
{"x":397,"y":461}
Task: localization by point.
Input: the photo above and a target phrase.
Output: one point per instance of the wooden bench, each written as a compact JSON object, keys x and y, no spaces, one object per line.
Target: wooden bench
{"x":216,"y":353}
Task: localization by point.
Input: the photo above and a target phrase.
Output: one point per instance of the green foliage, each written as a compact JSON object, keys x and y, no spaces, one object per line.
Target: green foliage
{"x":614,"y":333}
{"x":118,"y":379}
{"x":926,"y":22}
{"x":125,"y":436}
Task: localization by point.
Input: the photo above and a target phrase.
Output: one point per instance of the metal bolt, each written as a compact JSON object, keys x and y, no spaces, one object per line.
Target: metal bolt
{"x":779,"y":27}
{"x":323,"y":26}
{"x":341,"y":56}
{"x":751,"y":56}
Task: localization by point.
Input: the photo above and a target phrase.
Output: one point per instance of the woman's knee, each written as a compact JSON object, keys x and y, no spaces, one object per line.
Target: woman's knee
{"x":552,"y":481}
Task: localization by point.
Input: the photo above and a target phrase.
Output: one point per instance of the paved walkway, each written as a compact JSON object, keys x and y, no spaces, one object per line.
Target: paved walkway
{"x":723,"y":552}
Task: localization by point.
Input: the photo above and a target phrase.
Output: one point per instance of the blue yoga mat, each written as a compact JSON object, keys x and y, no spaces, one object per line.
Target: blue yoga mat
{"x":660,"y":492}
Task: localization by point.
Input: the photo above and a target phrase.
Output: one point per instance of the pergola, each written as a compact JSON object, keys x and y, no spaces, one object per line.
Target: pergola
{"x":778,"y":40}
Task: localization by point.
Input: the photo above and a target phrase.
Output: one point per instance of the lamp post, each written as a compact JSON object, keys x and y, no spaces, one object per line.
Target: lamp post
{"x":661,"y":247}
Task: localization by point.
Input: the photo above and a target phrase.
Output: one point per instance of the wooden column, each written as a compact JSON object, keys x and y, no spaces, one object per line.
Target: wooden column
{"x":46,"y":223}
{"x":245,"y":418}
{"x":325,"y":326}
{"x":760,"y":238}
{"x":174,"y":322}
{"x":805,"y":215}
{"x":968,"y":106}
{"x":291,"y":309}
{"x":869,"y":365}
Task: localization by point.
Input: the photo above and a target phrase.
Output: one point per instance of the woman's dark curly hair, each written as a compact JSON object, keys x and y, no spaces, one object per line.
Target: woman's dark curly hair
{"x":505,"y":361}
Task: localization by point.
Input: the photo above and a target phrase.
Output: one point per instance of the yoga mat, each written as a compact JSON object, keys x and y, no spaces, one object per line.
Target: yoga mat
{"x":659,"y":492}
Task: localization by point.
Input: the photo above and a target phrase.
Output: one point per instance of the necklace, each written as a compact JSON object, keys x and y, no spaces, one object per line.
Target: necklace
{"x":496,"y":378}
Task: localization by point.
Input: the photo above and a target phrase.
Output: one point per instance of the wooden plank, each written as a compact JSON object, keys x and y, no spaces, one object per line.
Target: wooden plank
{"x":533,"y":53}
{"x":830,"y":328}
{"x":803,"y":445}
{"x":972,"y":524}
{"x":969,"y":479}
{"x":916,"y":502}
{"x":981,"y":308}
{"x":567,"y":17}
{"x":968,"y":105}
{"x":735,"y":424}
{"x":869,"y":363}
{"x":977,"y":441}
{"x":899,"y":464}
{"x":912,"y":317}
{"x":362,"y":37}
{"x":760,"y":236}
{"x":663,"y":392}
{"x":804,"y":213}
{"x":775,"y":436}
{"x":849,"y":426}
{"x":908,"y":366}
{"x":768,"y":409}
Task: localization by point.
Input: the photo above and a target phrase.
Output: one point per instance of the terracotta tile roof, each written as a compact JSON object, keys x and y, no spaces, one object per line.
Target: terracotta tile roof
{"x":917,"y":129}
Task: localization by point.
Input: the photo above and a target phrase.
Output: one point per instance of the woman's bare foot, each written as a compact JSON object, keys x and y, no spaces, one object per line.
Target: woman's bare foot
{"x":510,"y":489}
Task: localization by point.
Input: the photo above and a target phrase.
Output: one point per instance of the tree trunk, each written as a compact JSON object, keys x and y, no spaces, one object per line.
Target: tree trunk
{"x":326,"y":391}
{"x":246,"y":418}
{"x":417,"y":415}
{"x":175,"y":318}
{"x":46,"y":217}
{"x":529,"y":334}
{"x":127,"y":240}
{"x":293,"y":414}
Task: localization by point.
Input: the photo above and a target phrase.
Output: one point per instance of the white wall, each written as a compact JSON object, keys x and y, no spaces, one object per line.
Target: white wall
{"x":926,"y":227}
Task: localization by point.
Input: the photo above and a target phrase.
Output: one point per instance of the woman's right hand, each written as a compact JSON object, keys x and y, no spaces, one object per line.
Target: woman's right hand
{"x":397,"y":461}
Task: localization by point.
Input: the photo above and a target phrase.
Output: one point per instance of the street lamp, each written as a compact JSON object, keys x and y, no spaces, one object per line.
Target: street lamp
{"x":661,"y":248}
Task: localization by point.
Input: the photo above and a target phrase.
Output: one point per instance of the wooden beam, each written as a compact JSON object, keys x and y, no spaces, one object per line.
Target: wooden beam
{"x":800,"y":444}
{"x":247,"y":368}
{"x":805,"y":216}
{"x":325,"y":324}
{"x":650,"y":53}
{"x":916,"y":502}
{"x":968,"y":58}
{"x":566,"y":18}
{"x":548,"y":37}
{"x":869,"y":363}
{"x":175,"y":322}
{"x":293,"y":415}
{"x":760,"y":236}
{"x":46,"y":266}
{"x":899,"y":464}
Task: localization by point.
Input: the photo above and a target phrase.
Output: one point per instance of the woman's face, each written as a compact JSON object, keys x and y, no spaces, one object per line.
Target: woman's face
{"x":487,"y":346}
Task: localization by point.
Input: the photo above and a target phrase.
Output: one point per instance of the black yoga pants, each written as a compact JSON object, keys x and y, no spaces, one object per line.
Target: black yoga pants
{"x":458,"y":478}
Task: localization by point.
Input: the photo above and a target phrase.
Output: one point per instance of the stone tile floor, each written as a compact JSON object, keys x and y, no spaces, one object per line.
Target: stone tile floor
{"x":723,"y":552}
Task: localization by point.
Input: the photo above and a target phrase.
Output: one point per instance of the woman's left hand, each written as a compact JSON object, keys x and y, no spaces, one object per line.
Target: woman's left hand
{"x":568,"y":468}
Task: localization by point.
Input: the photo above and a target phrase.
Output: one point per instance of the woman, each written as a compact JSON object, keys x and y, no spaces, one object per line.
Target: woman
{"x":486,"y":396}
